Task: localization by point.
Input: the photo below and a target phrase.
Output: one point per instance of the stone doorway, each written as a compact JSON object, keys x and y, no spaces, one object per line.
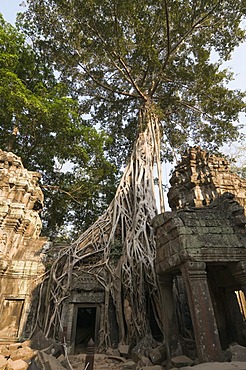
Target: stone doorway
{"x":11,"y":318}
{"x":86,"y":326}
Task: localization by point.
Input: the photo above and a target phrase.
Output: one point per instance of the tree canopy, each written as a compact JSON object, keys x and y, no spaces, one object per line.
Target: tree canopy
{"x":41,"y":121}
{"x":121,"y":54}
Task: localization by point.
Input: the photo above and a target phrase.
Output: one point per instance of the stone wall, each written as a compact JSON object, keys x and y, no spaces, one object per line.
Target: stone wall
{"x":204,"y":249}
{"x":21,"y":200}
{"x":200,"y":177}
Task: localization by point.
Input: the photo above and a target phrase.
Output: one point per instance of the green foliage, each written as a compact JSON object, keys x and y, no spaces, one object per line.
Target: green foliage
{"x":116,"y":251}
{"x":120,"y":55}
{"x":236,"y":157}
{"x":41,"y":121}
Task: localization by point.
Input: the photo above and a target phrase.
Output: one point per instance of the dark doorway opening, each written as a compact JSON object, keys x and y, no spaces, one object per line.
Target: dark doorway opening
{"x":85,"y":328}
{"x":154,"y":327}
{"x":227,"y":309}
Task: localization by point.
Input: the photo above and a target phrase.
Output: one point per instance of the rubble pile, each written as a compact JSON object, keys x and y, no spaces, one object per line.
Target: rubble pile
{"x":16,"y":356}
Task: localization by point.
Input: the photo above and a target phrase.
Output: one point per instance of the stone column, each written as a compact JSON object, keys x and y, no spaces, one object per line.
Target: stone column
{"x":169,"y":319}
{"x":202,"y":313}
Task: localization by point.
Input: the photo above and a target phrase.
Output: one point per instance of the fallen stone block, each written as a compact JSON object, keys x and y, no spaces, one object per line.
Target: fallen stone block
{"x":158,"y":355}
{"x":80,"y":357}
{"x":62,"y":360}
{"x":144,"y":361}
{"x":129,"y":365}
{"x":180,"y":361}
{"x":3,"y":362}
{"x":123,"y":349}
{"x":4,"y":350}
{"x":143,"y":348}
{"x":48,"y":362}
{"x":238,"y":352}
{"x":99,"y":356}
{"x":25,"y":354}
{"x":55,"y":364}
{"x":112,"y":352}
{"x":14,"y":346}
{"x":16,"y":365}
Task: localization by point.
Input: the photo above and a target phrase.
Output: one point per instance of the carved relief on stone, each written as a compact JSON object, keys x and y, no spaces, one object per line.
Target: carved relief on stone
{"x":200,"y":177}
{"x":21,"y":268}
{"x":21,"y":200}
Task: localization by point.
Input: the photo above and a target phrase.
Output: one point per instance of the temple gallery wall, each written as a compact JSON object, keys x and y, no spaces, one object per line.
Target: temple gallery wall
{"x":200,"y":260}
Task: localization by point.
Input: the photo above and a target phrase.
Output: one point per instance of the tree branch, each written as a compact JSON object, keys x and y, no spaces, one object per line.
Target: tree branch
{"x":55,"y":187}
{"x":187,"y":34}
{"x":134,"y":84}
{"x":107,"y":87}
{"x":168,"y":28}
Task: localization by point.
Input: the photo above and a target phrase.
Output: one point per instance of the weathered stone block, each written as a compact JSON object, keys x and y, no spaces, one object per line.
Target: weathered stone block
{"x":158,"y":355}
{"x":4,"y":350}
{"x":16,"y":365}
{"x":123,"y":349}
{"x":25,"y":354}
{"x":3,"y":362}
{"x":144,"y":361}
{"x":238,"y":352}
{"x":180,"y":361}
{"x":129,"y":365}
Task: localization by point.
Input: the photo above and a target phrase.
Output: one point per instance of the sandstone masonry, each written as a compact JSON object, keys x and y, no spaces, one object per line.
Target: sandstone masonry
{"x":21,"y":200}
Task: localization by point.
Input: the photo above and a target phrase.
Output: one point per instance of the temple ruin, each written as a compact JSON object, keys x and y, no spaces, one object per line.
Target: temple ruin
{"x":200,"y":261}
{"x":201,"y":256}
{"x":21,"y":267}
{"x":200,"y":177}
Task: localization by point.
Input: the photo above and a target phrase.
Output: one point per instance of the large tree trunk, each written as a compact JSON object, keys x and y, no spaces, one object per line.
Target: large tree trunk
{"x":120,"y":243}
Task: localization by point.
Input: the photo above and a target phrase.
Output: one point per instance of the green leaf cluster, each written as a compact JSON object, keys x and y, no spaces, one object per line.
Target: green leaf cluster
{"x":42,"y":121}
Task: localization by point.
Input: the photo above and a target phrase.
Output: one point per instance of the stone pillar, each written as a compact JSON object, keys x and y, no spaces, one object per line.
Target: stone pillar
{"x":169,"y":319}
{"x":202,"y":313}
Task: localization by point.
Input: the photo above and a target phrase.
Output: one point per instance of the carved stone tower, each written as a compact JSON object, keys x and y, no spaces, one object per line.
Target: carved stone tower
{"x":200,"y":177}
{"x":21,"y":200}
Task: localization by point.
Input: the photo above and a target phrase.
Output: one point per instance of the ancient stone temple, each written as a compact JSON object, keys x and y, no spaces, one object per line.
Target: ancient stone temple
{"x":21,"y":200}
{"x":201,"y":257}
{"x":200,"y":177}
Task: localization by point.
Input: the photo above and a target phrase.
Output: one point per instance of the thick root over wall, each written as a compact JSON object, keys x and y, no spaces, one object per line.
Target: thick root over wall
{"x":118,"y":249}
